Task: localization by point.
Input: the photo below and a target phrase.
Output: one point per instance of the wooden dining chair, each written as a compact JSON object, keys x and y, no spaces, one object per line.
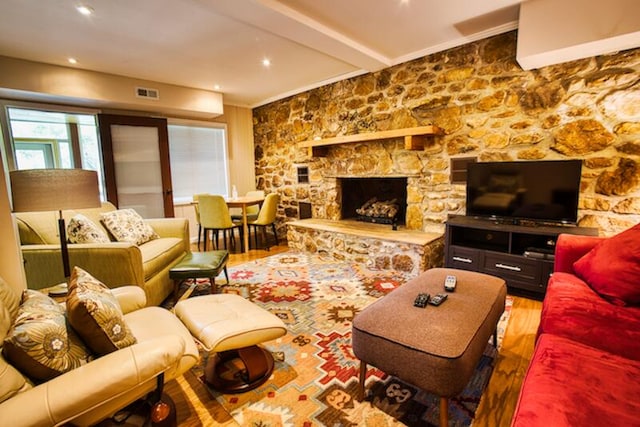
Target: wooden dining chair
{"x":266,"y":217}
{"x":214,"y":216}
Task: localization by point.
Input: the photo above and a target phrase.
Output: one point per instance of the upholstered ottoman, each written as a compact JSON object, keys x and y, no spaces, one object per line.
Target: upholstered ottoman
{"x":434,"y":348}
{"x":199,"y":265}
{"x":231,"y":327}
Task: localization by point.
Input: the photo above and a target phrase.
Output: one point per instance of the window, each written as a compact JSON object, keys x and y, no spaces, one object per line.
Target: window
{"x":55,"y":139}
{"x":199,"y":163}
{"x":35,"y":154}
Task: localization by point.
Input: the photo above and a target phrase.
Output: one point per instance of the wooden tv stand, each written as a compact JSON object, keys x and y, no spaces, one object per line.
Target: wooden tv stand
{"x":520,"y":254}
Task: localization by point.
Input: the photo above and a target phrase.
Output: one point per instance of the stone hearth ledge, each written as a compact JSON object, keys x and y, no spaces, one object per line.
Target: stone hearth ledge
{"x":375,"y":245}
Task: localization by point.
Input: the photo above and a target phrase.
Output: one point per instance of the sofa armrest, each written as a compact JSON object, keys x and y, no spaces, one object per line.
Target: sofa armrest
{"x":115,"y":264}
{"x":172,"y":227}
{"x":570,"y":248}
{"x":130,"y":298}
{"x":100,"y":384}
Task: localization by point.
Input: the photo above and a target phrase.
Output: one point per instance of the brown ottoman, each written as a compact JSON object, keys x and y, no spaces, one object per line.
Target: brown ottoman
{"x":434,"y":348}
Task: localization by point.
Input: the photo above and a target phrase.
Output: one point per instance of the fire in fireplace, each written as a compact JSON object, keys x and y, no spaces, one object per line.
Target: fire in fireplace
{"x":379,"y":199}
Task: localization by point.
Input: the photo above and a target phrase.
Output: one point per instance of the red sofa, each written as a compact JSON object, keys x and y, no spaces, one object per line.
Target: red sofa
{"x":585,"y":369}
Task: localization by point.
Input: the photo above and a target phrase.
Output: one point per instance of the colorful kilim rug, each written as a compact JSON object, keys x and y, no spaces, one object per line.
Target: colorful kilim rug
{"x":316,"y":374}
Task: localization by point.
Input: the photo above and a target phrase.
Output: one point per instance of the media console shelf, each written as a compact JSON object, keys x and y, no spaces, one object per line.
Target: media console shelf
{"x":414,"y":139}
{"x":521,"y":255}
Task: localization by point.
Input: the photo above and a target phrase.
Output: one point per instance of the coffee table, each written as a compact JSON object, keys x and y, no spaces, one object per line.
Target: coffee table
{"x":436,"y":349}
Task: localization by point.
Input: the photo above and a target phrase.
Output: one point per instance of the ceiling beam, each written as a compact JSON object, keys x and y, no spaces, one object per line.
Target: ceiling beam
{"x":552,"y":32}
{"x":281,"y":20}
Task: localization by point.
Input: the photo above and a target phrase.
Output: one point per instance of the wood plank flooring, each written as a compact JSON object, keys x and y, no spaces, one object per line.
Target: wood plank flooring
{"x":500,"y":397}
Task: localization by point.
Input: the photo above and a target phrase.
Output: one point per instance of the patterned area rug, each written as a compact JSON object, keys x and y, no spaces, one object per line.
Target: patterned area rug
{"x":316,"y":374}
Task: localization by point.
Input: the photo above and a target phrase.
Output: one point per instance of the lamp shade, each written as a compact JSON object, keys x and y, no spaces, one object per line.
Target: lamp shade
{"x":54,"y":189}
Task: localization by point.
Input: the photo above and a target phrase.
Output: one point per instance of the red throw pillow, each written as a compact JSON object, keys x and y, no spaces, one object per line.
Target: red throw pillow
{"x":612,"y":267}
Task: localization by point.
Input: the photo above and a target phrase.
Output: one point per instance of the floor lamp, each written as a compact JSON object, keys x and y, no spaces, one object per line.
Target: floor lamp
{"x":35,"y":190}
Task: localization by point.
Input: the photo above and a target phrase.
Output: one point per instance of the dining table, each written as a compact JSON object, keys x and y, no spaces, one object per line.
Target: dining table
{"x":243,"y":202}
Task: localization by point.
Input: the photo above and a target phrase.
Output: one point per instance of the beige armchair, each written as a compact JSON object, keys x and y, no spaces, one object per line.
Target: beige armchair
{"x":114,"y":263}
{"x":98,"y":389}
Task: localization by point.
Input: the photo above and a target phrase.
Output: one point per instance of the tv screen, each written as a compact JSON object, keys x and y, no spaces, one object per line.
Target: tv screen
{"x":543,"y":191}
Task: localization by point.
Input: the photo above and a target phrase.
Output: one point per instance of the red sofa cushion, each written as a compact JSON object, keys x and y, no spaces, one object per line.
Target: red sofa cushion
{"x":570,"y":384}
{"x":573,"y":310}
{"x":612,"y":267}
{"x":572,"y":247}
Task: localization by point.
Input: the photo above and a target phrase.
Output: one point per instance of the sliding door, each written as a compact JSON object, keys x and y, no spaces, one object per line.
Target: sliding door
{"x":136,"y":160}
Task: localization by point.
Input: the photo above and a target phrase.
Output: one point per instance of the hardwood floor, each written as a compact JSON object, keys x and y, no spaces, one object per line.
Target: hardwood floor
{"x":501,"y":395}
{"x":253,"y":254}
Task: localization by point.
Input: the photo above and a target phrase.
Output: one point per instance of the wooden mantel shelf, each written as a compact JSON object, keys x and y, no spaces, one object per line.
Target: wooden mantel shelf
{"x":414,"y":139}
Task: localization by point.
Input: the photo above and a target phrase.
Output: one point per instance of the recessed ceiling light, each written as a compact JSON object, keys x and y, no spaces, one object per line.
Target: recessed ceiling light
{"x":266,"y":62}
{"x":85,"y":10}
{"x":72,"y":60}
{"x":216,"y":87}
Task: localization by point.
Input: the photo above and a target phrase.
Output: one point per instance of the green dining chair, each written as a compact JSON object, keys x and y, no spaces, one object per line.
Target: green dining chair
{"x":196,"y":207}
{"x":266,"y":217}
{"x":214,"y":216}
{"x":252,"y":211}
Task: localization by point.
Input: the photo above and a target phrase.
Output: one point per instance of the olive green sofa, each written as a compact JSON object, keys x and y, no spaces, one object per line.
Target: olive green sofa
{"x":114,"y":263}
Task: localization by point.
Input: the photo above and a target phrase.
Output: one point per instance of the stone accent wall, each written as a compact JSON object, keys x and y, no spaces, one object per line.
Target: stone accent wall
{"x":488,"y":107}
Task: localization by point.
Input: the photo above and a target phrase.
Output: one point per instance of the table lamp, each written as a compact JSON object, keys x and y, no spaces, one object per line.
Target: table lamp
{"x":35,"y":190}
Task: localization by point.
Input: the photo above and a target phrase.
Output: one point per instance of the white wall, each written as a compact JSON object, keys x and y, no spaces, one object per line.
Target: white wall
{"x":242,"y":172}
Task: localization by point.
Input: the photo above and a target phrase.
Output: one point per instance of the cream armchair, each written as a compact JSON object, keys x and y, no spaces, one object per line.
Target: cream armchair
{"x":98,"y":389}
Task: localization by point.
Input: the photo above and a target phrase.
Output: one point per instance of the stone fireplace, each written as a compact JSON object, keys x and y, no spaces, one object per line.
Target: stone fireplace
{"x":357,"y":192}
{"x":346,"y":178}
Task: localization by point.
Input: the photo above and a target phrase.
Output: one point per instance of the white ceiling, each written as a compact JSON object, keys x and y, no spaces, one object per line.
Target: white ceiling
{"x":203,"y":43}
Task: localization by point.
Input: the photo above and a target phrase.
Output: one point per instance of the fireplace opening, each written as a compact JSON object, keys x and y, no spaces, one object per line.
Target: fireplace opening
{"x":358,"y":195}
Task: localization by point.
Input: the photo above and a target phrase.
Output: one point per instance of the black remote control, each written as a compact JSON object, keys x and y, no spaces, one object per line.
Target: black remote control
{"x":438,"y":299}
{"x":421,"y":300}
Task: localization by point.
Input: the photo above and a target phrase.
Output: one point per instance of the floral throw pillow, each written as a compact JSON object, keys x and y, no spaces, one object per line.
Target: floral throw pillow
{"x":127,"y":225}
{"x":40,"y":343}
{"x":95,"y":314}
{"x":82,"y":230}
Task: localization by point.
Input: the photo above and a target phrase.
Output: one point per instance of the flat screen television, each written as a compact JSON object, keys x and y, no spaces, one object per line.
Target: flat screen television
{"x":539,"y":191}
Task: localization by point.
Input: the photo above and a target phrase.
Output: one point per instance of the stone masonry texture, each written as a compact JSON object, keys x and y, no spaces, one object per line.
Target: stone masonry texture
{"x":488,"y":108}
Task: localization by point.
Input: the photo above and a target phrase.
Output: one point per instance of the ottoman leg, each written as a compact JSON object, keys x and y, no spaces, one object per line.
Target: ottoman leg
{"x":213,"y":285}
{"x":363,"y":376}
{"x":444,"y":412}
{"x":176,"y":289}
{"x":226,"y":275}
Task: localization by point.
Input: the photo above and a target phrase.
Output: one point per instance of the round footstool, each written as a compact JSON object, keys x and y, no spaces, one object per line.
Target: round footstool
{"x":231,"y":327}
